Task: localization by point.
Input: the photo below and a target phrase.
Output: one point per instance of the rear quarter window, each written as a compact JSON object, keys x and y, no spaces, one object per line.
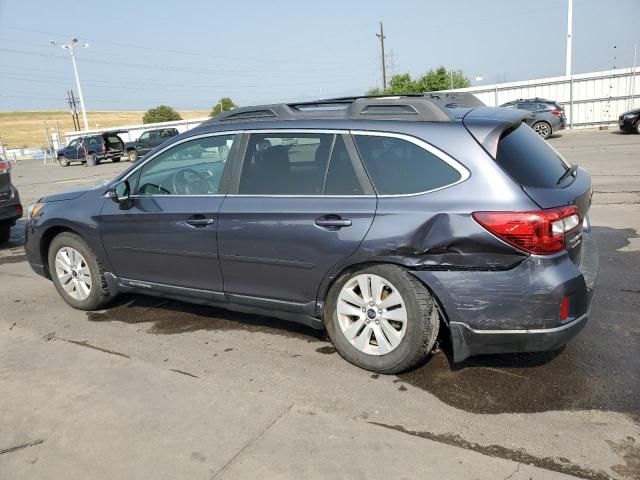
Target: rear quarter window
{"x":529,"y":159}
{"x":400,"y":167}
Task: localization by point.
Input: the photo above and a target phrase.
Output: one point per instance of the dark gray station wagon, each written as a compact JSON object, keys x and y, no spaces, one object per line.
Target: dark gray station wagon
{"x":383,"y":220}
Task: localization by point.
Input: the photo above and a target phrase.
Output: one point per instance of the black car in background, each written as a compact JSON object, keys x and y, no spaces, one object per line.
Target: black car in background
{"x":148,"y":141}
{"x":630,"y":121}
{"x":546,"y":118}
{"x":10,"y":207}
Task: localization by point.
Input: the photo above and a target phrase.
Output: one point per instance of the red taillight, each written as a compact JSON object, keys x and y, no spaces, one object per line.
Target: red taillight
{"x":5,"y":166}
{"x":557,"y":112}
{"x":541,"y":231}
{"x":103,"y":149}
{"x":564,"y":309}
{"x":19,"y":210}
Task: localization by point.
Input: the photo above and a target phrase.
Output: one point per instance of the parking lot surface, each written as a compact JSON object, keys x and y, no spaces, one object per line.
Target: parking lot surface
{"x":152,"y":387}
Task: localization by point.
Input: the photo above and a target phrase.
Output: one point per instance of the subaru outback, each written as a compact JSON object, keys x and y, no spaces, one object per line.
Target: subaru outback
{"x":382,"y":220}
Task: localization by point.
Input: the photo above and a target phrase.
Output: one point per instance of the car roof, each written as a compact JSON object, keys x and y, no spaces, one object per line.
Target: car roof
{"x":401,"y":107}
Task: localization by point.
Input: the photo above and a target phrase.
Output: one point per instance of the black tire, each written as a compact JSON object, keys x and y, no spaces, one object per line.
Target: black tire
{"x":99,"y":294}
{"x":63,"y":161}
{"x":133,"y":155}
{"x":637,"y":127}
{"x":543,"y":129}
{"x":422,"y":328}
{"x":115,"y":159}
{"x":5,"y":232}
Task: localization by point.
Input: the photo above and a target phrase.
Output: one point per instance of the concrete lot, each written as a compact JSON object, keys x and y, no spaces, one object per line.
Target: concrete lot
{"x":151,"y":388}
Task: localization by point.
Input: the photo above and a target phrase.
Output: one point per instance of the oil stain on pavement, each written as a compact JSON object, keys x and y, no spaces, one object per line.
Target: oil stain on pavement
{"x":597,"y":370}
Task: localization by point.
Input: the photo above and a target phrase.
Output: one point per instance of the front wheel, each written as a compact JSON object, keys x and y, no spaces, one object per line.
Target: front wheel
{"x":637,"y":129}
{"x":543,"y":129}
{"x":381,"y":318}
{"x":63,"y":161}
{"x":76,"y":273}
{"x":133,"y":155}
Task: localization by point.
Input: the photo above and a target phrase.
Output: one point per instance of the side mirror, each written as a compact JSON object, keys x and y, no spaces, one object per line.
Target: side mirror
{"x":120,"y":193}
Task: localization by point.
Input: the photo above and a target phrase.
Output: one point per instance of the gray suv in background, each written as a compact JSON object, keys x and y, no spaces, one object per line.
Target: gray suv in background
{"x":546,"y":116}
{"x":10,"y":206}
{"x":385,"y":221}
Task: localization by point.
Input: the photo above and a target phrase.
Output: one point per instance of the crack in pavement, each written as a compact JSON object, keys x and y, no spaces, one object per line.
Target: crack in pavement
{"x":546,"y":463}
{"x":251,"y":441}
{"x":20,"y":447}
{"x":182,"y":372}
{"x":86,"y":344}
{"x":513,"y":473}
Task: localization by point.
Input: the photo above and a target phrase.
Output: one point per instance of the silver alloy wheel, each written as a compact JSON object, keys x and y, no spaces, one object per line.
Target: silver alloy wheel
{"x":73,"y":272}
{"x":372,"y":314}
{"x":542,"y":129}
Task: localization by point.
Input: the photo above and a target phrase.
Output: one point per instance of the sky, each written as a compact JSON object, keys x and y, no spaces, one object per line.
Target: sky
{"x":189,"y":53}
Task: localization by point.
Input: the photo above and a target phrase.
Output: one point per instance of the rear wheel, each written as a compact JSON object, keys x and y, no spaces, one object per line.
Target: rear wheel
{"x":133,"y":155}
{"x":381,"y":318}
{"x":115,"y":159}
{"x":5,"y":232}
{"x":543,"y":129}
{"x":76,"y":273}
{"x":63,"y":161}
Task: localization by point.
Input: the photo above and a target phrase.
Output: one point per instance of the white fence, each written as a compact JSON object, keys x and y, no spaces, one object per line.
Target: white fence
{"x":132,"y":132}
{"x":589,"y":99}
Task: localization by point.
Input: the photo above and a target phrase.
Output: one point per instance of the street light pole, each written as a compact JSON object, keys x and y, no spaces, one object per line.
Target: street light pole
{"x":70,"y":47}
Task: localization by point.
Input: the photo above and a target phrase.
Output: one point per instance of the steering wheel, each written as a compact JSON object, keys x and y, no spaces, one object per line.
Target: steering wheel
{"x":188,"y":182}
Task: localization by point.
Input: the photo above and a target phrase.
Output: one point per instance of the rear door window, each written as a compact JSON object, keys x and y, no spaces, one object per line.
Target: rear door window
{"x":291,"y":163}
{"x":399,"y":167}
{"x":529,"y":159}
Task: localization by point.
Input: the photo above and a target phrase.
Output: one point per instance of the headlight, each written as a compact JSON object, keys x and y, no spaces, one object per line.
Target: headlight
{"x":629,"y":116}
{"x":33,"y":210}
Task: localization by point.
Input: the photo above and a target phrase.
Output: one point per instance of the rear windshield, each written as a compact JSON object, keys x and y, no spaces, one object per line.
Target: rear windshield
{"x":529,"y":159}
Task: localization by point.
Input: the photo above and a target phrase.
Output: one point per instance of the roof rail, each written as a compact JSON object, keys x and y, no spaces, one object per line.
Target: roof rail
{"x":398,"y":107}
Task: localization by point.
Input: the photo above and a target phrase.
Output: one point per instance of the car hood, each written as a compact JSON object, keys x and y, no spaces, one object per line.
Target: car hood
{"x":631,"y":112}
{"x":73,"y":193}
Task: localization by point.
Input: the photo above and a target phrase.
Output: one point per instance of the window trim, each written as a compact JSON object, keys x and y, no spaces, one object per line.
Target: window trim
{"x":364,"y":180}
{"x":452,"y":162}
{"x":229,"y":161}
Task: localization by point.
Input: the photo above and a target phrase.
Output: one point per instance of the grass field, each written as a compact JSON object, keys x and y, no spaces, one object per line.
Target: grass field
{"x":19,"y":129}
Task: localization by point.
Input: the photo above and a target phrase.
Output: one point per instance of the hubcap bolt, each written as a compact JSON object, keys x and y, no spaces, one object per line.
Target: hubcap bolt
{"x":366,"y":320}
{"x":377,"y":322}
{"x":364,"y":309}
{"x":379,"y":311}
{"x":371,"y":304}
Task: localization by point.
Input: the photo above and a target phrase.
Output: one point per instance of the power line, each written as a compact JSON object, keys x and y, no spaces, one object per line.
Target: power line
{"x":269,"y":60}
{"x":165,"y":68}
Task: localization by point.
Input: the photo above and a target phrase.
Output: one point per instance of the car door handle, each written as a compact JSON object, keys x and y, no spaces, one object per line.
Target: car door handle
{"x":199,"y":221}
{"x":331,"y":221}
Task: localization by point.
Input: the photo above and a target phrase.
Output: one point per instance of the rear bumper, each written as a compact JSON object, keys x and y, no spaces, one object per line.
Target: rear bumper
{"x":468,"y":341}
{"x":10,"y":213}
{"x":516,"y":310}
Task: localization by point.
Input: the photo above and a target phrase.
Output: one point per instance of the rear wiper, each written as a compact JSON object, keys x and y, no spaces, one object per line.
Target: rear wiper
{"x":570,"y":171}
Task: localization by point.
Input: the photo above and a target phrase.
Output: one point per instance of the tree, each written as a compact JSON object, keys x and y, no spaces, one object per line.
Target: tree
{"x":433,"y":80}
{"x":224,"y":105}
{"x":163,"y":113}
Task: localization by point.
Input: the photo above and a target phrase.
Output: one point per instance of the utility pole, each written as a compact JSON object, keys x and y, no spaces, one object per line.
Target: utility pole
{"x":70,"y":47}
{"x":569,"y":37}
{"x":633,"y":75}
{"x":382,"y":57}
{"x":567,"y":70}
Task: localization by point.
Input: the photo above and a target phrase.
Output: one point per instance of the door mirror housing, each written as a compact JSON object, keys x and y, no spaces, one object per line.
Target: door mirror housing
{"x":120,"y":193}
